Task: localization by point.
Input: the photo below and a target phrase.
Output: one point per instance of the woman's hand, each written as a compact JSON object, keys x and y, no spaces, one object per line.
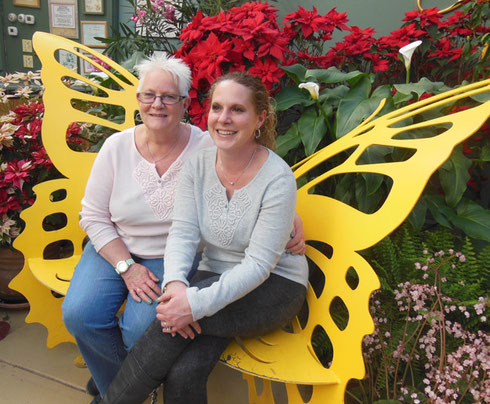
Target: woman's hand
{"x":175,"y":313}
{"x":141,"y":283}
{"x":297,"y":245}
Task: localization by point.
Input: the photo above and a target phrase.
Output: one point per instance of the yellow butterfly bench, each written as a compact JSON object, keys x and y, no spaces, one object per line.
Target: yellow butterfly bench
{"x":285,"y":356}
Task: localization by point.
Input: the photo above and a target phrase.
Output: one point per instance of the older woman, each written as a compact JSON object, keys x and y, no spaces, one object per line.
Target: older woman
{"x":126,"y":212}
{"x":239,"y":197}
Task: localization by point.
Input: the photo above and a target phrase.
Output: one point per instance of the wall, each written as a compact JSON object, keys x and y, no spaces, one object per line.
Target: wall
{"x":382,"y":15}
{"x":11,"y":51}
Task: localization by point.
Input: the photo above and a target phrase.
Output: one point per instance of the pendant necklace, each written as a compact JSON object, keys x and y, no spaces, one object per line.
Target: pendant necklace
{"x":240,"y":176}
{"x":165,"y":155}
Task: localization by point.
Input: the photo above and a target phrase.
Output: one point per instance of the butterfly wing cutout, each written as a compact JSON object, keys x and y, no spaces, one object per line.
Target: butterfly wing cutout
{"x":61,"y":111}
{"x":282,"y":356}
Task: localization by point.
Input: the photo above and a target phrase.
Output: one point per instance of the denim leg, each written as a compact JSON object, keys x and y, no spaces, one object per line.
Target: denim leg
{"x":138,"y":316}
{"x":93,"y":299}
{"x":90,"y":309}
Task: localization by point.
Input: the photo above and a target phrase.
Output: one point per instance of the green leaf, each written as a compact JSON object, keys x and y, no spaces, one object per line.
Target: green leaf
{"x":439,"y":210}
{"x":312,"y":129}
{"x":292,"y":95}
{"x":387,"y":402}
{"x":373,"y":182}
{"x":290,"y":140}
{"x":423,"y":86}
{"x":485,"y":153}
{"x":473,"y":219}
{"x":331,"y":75}
{"x":344,"y":122}
{"x":382,"y":92}
{"x":344,"y":190}
{"x":359,"y":114}
{"x":295,"y":72}
{"x":482,"y":97}
{"x":399,"y":98}
{"x":333,"y":95}
{"x":417,"y":215}
{"x":454,"y":176}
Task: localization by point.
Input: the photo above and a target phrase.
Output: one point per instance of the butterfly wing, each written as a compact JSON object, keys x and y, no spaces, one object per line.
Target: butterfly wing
{"x":282,"y":356}
{"x":61,"y":110}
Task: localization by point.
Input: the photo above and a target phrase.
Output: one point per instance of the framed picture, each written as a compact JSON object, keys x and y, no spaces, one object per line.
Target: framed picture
{"x":68,"y":59}
{"x":87,"y":67}
{"x":92,"y":30}
{"x":93,"y":7}
{"x":28,"y":3}
{"x":63,"y":18}
{"x":63,"y":15}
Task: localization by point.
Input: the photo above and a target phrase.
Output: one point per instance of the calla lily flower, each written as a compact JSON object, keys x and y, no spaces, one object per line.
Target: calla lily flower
{"x":313,"y":88}
{"x":407,"y":52}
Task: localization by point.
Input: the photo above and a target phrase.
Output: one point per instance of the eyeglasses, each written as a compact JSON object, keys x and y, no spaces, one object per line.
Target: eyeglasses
{"x":167,"y":99}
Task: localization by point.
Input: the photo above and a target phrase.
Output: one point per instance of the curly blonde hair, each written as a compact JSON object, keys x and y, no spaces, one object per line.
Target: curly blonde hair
{"x":261,"y":100}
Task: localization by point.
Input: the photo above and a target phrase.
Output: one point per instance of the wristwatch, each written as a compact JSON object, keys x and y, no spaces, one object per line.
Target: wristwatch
{"x":123,"y":266}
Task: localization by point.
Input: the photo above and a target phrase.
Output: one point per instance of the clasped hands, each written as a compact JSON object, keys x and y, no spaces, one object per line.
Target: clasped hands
{"x":174,"y":311}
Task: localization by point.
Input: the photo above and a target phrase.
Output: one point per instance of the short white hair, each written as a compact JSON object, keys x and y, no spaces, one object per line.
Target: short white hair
{"x":170,"y":64}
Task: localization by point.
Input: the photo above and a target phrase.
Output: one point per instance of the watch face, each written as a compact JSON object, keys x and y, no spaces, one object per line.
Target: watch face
{"x":122,"y":266}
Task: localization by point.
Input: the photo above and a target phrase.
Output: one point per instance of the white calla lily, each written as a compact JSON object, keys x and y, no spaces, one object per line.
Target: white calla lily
{"x":313,"y":88}
{"x":407,"y":52}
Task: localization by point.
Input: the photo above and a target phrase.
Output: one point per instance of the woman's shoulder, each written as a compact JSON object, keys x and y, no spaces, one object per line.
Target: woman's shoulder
{"x":276,"y":164}
{"x":200,"y":138}
{"x":118,"y":140}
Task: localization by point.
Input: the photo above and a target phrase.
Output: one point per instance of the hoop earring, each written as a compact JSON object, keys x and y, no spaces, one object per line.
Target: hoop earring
{"x":257,"y":133}
{"x":137,"y":117}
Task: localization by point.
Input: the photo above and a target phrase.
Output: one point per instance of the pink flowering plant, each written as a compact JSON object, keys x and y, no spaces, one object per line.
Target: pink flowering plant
{"x":24,"y":160}
{"x":156,"y":25}
{"x":431,"y":341}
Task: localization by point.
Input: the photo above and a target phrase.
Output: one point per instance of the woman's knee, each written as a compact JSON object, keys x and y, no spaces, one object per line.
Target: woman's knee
{"x":185,"y":379}
{"x":77,"y":315}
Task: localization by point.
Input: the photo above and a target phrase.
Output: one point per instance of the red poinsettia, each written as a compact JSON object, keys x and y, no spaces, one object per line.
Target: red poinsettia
{"x":424,"y":18}
{"x":24,"y":162}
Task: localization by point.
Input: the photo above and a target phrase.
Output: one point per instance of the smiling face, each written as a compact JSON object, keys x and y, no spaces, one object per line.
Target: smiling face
{"x":158,"y":116}
{"x":232,"y":119}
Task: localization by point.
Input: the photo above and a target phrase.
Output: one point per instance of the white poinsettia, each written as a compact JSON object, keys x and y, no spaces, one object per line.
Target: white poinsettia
{"x":407,"y":52}
{"x":313,"y":88}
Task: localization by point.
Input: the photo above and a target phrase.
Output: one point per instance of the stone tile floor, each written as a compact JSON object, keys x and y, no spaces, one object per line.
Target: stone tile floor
{"x":30,"y":373}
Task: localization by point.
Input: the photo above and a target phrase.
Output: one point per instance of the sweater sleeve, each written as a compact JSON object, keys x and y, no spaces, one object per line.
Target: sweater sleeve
{"x":267,"y":244}
{"x":95,"y":217}
{"x":184,"y":234}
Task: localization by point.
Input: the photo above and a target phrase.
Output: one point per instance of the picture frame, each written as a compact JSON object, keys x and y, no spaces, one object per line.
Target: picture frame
{"x":68,"y":59}
{"x":63,"y":18}
{"x":92,"y":30}
{"x":28,"y":3}
{"x":95,"y":7}
{"x":86,"y":67}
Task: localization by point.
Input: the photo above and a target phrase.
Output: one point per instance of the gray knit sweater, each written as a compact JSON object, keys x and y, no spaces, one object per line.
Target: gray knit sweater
{"x":244,"y":238}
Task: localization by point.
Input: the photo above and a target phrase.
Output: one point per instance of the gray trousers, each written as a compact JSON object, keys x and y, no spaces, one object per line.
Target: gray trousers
{"x":183,"y":365}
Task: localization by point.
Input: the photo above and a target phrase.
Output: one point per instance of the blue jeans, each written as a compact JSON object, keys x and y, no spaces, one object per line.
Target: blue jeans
{"x":90,"y":308}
